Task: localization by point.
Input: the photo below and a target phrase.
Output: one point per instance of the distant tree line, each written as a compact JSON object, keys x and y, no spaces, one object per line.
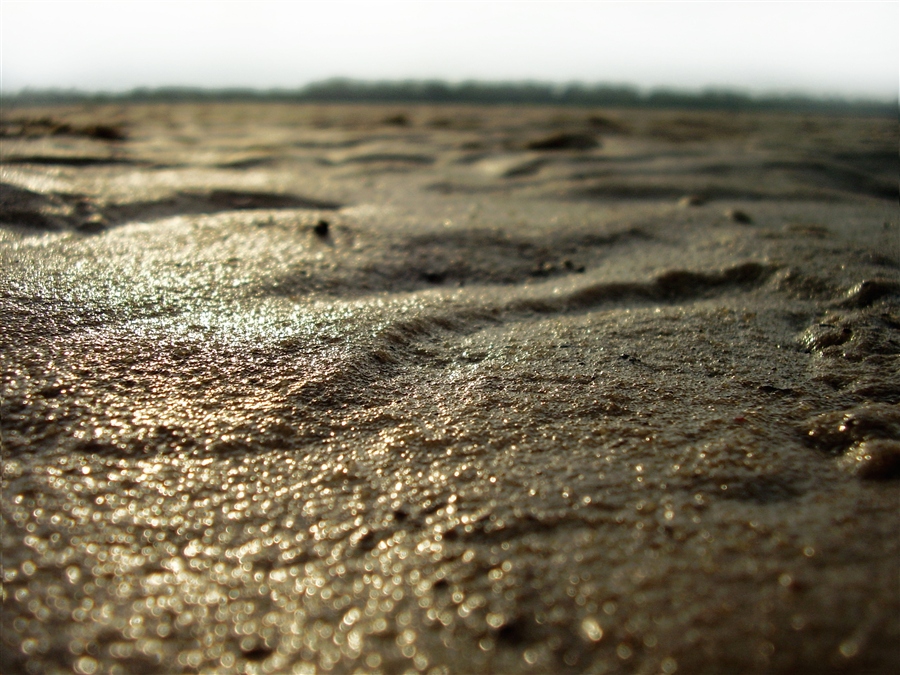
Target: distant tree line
{"x":471,"y":92}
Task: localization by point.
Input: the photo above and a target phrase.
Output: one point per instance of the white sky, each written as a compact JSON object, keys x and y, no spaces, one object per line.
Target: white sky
{"x":843,"y":48}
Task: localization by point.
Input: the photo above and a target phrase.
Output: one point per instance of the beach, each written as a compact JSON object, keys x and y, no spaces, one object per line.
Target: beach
{"x":386,"y":388}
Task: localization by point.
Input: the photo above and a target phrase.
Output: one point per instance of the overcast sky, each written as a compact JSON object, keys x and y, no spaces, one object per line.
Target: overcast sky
{"x":824,"y":48}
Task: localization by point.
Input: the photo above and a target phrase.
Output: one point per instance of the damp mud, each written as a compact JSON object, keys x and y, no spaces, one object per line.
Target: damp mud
{"x":297,"y":389}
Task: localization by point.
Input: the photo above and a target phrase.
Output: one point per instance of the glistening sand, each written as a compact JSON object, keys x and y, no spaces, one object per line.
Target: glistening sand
{"x":451,"y":390}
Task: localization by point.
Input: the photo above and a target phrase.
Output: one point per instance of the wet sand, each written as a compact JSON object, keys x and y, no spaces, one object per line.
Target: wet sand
{"x":448,"y":390}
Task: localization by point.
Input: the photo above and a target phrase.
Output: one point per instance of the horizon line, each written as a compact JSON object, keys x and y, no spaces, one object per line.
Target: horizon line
{"x":556,"y":88}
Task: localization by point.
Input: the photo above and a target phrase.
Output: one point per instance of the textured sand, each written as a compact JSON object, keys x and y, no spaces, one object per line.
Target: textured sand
{"x":454,"y":390}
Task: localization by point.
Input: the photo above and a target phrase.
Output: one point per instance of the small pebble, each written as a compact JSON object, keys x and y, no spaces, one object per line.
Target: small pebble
{"x":877,"y":459}
{"x":398,"y":120}
{"x":321,"y":229}
{"x":691,"y":200}
{"x":866,"y":292}
{"x":93,"y":224}
{"x":739,"y":216}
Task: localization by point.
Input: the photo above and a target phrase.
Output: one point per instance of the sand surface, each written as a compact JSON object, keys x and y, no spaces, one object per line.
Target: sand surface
{"x":451,"y":390}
